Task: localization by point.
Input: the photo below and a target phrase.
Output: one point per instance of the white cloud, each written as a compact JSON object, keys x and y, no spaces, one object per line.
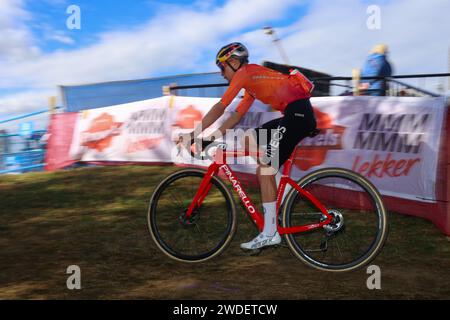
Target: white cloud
{"x":332,"y":38}
{"x":61,"y":37}
{"x":166,"y":42}
{"x":30,"y":100}
{"x":50,"y":34}
{"x":16,"y":40}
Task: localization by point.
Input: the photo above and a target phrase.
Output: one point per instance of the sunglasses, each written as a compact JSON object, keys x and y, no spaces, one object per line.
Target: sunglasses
{"x":221,"y":66}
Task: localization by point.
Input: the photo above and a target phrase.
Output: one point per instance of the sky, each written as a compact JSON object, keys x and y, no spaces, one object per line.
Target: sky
{"x":121,"y":40}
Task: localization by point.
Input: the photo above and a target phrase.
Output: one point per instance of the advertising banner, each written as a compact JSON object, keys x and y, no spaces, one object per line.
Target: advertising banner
{"x":392,"y":141}
{"x":134,"y":132}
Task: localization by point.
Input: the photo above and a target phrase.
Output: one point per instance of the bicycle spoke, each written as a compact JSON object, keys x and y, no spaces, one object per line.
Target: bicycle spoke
{"x":324,"y":252}
{"x":180,"y":203}
{"x":177,"y":209}
{"x":337,"y":245}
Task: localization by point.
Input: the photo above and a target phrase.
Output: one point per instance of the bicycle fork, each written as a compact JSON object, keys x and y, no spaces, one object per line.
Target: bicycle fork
{"x":203,"y":190}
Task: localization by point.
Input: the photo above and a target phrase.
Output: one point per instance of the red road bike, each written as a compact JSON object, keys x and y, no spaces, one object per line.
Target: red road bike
{"x":333,"y":219}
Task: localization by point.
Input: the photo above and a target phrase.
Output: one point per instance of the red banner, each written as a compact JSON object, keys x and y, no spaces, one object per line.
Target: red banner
{"x":61,"y":132}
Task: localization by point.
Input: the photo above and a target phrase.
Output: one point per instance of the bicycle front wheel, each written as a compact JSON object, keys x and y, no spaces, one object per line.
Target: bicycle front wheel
{"x":206,"y":233}
{"x":359,"y":227}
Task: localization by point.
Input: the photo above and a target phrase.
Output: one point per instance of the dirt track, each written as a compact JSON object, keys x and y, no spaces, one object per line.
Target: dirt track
{"x":95,"y":218}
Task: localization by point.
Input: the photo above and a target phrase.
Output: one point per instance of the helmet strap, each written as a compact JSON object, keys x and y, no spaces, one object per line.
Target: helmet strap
{"x":235,"y":70}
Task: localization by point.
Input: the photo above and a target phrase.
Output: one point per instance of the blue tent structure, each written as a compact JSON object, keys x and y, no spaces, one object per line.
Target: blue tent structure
{"x":91,"y":96}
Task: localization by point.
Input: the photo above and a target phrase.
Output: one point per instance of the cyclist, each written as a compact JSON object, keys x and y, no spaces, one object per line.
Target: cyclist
{"x":288,"y":94}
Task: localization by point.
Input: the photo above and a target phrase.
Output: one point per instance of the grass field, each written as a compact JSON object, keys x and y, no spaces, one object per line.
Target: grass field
{"x":96,"y":218}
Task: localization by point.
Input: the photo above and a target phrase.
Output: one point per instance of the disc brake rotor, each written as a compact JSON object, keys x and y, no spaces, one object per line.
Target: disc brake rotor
{"x":191,"y":220}
{"x":337,"y":223}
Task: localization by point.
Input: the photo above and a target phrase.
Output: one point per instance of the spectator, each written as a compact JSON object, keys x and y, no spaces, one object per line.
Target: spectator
{"x":376,"y":65}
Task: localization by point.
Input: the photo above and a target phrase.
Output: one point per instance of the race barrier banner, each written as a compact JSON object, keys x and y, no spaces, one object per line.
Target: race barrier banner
{"x":61,"y":130}
{"x":146,"y":131}
{"x":393,"y":141}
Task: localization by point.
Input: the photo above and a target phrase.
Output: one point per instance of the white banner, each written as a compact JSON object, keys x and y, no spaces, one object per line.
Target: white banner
{"x":135,"y":132}
{"x":392,"y":141}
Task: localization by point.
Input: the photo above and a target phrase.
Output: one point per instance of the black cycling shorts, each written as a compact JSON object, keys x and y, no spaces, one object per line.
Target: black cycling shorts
{"x":282,"y":135}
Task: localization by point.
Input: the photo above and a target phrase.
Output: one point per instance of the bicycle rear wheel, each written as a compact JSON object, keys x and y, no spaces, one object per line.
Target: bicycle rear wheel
{"x":206,"y":233}
{"x":359,"y":228}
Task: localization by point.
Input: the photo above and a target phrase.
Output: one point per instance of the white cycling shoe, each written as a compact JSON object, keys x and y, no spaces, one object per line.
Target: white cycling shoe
{"x":262,"y":241}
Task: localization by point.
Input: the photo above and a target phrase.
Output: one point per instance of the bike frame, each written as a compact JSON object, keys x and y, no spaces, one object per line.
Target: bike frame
{"x":219,"y":163}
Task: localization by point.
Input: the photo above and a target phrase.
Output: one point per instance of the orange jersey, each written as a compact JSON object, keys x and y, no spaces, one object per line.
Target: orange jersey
{"x":267,"y":85}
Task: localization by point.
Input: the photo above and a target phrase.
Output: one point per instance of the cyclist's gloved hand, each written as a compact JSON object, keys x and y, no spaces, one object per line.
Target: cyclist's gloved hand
{"x":206,"y":143}
{"x":199,"y":147}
